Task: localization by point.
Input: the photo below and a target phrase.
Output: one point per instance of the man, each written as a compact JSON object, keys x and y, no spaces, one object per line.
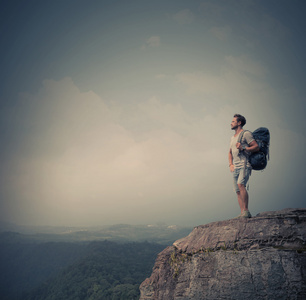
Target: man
{"x":238,"y":162}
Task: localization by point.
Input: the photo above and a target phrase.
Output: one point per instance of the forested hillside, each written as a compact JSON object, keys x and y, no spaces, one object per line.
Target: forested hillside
{"x":95,"y":270}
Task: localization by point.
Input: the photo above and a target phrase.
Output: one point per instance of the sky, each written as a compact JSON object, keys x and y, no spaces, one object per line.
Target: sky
{"x":119,"y":111}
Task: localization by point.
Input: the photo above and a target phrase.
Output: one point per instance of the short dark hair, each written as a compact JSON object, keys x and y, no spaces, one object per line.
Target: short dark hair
{"x":241,"y":119}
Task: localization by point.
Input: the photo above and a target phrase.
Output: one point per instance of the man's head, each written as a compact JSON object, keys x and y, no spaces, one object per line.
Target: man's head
{"x":237,"y":121}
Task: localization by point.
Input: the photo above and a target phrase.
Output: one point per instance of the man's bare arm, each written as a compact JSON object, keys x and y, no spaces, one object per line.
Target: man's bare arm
{"x":230,"y":160}
{"x":253,"y":147}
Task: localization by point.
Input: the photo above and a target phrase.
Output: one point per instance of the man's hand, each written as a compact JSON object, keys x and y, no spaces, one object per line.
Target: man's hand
{"x":232,"y":168}
{"x":253,"y":147}
{"x":238,"y":146}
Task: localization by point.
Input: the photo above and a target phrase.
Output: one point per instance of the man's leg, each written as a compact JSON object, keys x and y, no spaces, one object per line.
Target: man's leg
{"x":243,"y":198}
{"x":242,"y":194}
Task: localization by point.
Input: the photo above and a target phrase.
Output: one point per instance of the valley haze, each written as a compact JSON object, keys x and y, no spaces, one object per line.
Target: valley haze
{"x":157,"y":233}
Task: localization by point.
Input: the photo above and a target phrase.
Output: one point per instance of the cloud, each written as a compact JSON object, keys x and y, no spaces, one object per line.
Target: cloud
{"x":244,"y":64}
{"x":77,"y":158}
{"x":272,"y":28}
{"x":235,"y":78}
{"x":222,"y":33}
{"x":161,"y":76}
{"x":80,"y":159}
{"x":152,"y":42}
{"x":184,"y":17}
{"x":212,"y":10}
{"x":246,"y":21}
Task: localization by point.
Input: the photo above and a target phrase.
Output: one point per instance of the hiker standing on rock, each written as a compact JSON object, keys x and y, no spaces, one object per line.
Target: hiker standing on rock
{"x":241,"y":146}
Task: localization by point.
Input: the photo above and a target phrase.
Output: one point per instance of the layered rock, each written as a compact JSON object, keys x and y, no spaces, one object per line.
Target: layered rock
{"x":259,"y":258}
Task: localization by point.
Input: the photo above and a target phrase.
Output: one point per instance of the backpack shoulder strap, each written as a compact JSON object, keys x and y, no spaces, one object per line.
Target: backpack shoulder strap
{"x":239,"y":140}
{"x":241,"y":135}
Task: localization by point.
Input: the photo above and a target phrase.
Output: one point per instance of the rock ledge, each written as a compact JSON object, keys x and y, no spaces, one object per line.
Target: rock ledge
{"x":260,"y":258}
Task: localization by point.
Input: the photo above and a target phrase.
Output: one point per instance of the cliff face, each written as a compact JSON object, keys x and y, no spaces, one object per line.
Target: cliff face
{"x":259,"y":258}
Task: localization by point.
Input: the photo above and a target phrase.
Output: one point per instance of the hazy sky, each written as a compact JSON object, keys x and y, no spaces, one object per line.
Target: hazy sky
{"x":119,"y":111}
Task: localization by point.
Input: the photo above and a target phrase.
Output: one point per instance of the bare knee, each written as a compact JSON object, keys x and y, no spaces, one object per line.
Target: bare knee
{"x":241,"y":187}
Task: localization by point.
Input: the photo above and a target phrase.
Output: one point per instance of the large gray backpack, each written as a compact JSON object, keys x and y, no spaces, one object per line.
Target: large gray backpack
{"x":259,"y":160}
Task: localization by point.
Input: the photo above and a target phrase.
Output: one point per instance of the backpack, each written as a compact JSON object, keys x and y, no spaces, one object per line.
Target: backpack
{"x":259,"y":160}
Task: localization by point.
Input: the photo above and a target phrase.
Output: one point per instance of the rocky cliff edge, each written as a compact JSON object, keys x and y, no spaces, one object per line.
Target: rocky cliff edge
{"x":263,"y":257}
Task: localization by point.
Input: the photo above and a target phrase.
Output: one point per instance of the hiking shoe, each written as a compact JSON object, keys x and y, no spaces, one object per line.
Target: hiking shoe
{"x":238,"y":217}
{"x":246,"y":214}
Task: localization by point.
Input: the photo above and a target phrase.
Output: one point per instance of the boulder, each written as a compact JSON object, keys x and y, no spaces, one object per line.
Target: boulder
{"x":263,"y":257}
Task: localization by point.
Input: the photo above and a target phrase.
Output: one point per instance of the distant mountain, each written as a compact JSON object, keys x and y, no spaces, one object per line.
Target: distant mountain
{"x":163,"y":234}
{"x":28,"y":229}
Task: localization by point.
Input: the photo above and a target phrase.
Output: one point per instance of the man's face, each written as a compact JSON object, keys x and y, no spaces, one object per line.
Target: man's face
{"x":235,"y":124}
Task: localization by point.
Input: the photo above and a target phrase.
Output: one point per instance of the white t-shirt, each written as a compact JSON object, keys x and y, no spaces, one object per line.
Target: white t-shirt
{"x":240,"y":158}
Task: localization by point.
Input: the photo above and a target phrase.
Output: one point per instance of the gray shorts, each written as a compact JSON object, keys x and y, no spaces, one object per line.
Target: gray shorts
{"x":241,"y":176}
